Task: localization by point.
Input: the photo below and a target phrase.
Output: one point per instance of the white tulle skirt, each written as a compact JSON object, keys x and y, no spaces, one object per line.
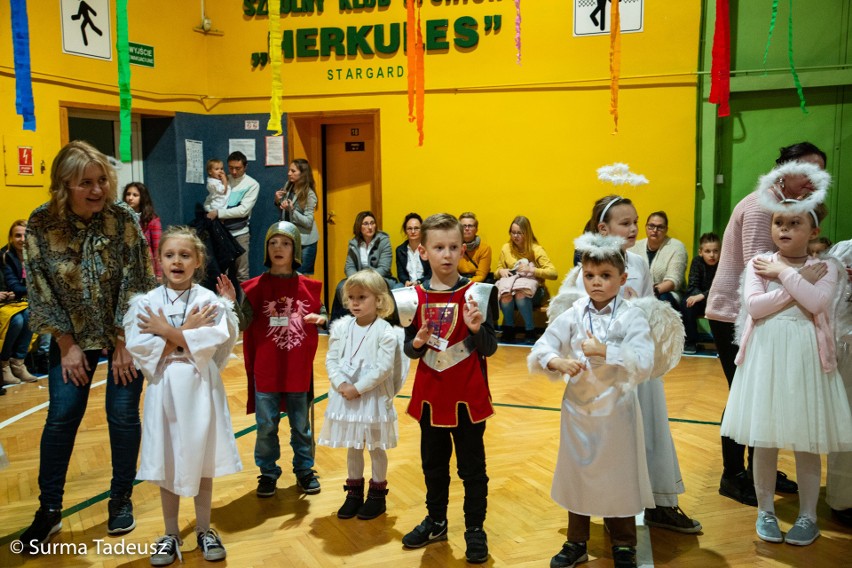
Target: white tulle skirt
{"x":369,"y":421}
{"x":781,"y":398}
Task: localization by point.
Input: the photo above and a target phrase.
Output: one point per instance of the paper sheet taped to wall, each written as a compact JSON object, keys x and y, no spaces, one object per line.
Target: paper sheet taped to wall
{"x":194,"y":161}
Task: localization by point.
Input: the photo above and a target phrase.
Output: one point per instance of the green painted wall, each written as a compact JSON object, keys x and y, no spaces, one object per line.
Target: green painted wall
{"x":765,"y":113}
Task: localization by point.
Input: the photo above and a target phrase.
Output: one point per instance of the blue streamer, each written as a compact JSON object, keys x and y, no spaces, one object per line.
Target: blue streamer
{"x":24,"y":104}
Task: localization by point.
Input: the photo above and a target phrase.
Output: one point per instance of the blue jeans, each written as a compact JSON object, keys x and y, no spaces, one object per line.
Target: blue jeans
{"x":18,"y":337}
{"x":66,"y":410}
{"x":309,"y":256}
{"x":525,"y":308}
{"x":267,"y":448}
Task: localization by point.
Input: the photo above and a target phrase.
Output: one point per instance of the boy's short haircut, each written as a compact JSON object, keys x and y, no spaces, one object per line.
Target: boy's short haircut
{"x":599,"y":257}
{"x":439,"y":222}
{"x":212,"y":162}
{"x":373,"y":282}
{"x":708,"y":238}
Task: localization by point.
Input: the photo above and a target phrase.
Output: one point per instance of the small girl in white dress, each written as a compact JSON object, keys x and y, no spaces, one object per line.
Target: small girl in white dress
{"x":787,"y":392}
{"x":366,"y":368}
{"x":181,"y":335}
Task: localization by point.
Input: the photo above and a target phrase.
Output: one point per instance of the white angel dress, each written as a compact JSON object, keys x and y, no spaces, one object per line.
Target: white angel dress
{"x":186,"y":425}
{"x":601,"y":469}
{"x":371,"y":359}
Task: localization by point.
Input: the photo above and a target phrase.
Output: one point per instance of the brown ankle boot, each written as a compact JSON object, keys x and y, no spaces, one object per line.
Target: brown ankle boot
{"x":354,"y":498}
{"x":375,"y":504}
{"x":20,"y":371}
{"x":8,"y":377}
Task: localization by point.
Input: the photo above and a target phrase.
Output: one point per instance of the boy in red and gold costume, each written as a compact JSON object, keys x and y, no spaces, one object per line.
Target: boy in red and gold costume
{"x":449,"y":326}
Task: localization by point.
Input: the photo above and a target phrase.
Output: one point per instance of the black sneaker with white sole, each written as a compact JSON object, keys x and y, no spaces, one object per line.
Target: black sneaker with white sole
{"x":572,"y":553}
{"x":120,"y":515}
{"x":427,"y":532}
{"x":46,"y":523}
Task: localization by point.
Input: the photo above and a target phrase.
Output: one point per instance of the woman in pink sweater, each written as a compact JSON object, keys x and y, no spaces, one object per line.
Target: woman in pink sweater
{"x":746,"y":236}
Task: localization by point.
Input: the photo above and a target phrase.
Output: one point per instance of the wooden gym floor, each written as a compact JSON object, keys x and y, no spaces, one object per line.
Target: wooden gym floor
{"x":525,"y":527}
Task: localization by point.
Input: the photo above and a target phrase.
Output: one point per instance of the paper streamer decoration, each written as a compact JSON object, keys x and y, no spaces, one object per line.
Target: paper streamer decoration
{"x":124,"y":97}
{"x":793,"y":71}
{"x":614,"y":61}
{"x":416,"y":67}
{"x":24,"y":104}
{"x":720,"y":69}
{"x":518,"y":29}
{"x":275,"y":58}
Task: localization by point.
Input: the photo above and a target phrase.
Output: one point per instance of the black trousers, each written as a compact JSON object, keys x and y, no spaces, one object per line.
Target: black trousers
{"x":436,"y":448}
{"x":732,"y":452}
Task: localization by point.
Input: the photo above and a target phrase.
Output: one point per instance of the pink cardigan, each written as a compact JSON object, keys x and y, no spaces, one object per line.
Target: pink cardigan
{"x":815,"y":298}
{"x":749,"y":233}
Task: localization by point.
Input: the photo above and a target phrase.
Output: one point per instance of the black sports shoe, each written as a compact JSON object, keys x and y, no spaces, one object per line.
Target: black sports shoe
{"x":309,"y":482}
{"x":740,"y":488}
{"x":785,"y":485}
{"x":120,"y":515}
{"x":572,"y":553}
{"x":265,"y":486}
{"x":624,"y":556}
{"x":425,"y":533}
{"x":477,"y":545}
{"x":46,"y":523}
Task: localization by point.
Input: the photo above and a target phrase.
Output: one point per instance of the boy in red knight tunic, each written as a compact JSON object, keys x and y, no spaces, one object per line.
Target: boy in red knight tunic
{"x":280,"y":315}
{"x":448,"y":326}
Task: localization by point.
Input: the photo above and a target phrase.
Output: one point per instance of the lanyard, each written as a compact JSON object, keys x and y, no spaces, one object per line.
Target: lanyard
{"x":444,"y":311}
{"x":360,"y":343}
{"x":172,"y":302}
{"x":612,"y":317}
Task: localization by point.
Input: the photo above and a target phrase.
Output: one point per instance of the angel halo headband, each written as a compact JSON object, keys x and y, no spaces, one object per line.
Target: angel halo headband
{"x":599,"y":246}
{"x":772,"y":199}
{"x":618,"y":174}
{"x":618,"y":199}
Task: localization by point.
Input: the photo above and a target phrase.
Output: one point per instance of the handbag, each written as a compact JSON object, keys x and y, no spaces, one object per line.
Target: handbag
{"x":516,"y":284}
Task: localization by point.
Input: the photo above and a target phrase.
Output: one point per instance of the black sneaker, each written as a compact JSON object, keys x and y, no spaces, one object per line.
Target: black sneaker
{"x":120,"y":515}
{"x":572,"y":553}
{"x":671,"y":518}
{"x":210,"y":546}
{"x":265,"y":486}
{"x":425,"y":533}
{"x":785,"y":485}
{"x":309,"y":483}
{"x":477,"y":545}
{"x":739,"y":488}
{"x":46,"y":523}
{"x":624,"y":556}
{"x":166,"y":550}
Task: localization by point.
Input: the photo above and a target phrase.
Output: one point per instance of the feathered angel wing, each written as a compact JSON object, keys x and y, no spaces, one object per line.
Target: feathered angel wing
{"x":567,"y":295}
{"x":666,"y":331}
{"x":401,"y":363}
{"x":223,"y":352}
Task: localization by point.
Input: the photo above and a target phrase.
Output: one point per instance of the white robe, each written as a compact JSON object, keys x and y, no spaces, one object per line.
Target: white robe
{"x":186,"y":425}
{"x":601,"y":469}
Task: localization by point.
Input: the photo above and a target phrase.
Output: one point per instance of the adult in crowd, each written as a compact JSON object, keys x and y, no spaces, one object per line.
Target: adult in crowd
{"x":522,"y":268}
{"x":747,"y":234}
{"x":666,"y":258}
{"x":85,"y":257}
{"x":475,"y":262}
{"x":298,"y":201}
{"x":411,"y":269}
{"x":369,"y":247}
{"x":137,"y":196}
{"x":15,"y":334}
{"x":236,"y":216}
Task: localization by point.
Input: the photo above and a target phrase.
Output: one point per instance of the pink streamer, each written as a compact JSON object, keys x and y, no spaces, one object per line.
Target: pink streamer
{"x":518,"y":28}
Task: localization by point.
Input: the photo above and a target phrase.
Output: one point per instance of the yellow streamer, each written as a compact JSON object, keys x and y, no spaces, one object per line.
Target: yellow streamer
{"x":614,"y":61}
{"x":275,"y":59}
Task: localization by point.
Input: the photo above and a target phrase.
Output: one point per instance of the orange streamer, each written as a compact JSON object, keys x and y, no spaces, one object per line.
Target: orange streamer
{"x":614,"y":61}
{"x":274,"y":123}
{"x":411,"y":52}
{"x":420,"y":96}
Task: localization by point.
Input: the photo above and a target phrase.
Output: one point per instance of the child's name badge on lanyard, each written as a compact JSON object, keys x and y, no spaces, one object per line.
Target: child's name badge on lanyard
{"x":174,"y":311}
{"x":279,"y":321}
{"x":438,"y":343}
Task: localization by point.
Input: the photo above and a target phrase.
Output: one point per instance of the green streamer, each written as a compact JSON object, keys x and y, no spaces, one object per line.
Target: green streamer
{"x":792,"y":65}
{"x":771,"y":29}
{"x":124,"y":97}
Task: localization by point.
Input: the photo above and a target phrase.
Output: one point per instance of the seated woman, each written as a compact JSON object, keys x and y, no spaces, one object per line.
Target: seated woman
{"x":666,"y":257}
{"x":15,"y":333}
{"x":522,"y":269}
{"x":368,"y":248}
{"x":475,"y":262}
{"x":410,"y":267}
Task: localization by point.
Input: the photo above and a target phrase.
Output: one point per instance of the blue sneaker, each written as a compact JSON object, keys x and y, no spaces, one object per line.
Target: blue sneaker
{"x":803,"y":532}
{"x":767,"y":527}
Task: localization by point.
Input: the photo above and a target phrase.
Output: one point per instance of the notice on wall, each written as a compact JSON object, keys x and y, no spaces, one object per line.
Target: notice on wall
{"x":247,"y":146}
{"x":86,"y":28}
{"x":194,"y":161}
{"x":25,"y":160}
{"x":591,"y":17}
{"x":275,"y":151}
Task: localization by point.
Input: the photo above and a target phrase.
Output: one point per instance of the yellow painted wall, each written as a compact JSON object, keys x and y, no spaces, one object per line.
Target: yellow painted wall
{"x":501,"y":139}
